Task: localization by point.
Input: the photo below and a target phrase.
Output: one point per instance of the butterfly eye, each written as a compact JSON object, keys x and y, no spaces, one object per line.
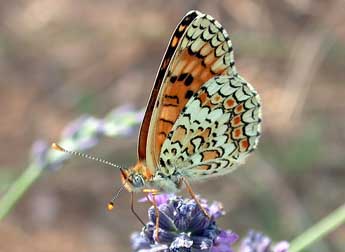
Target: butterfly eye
{"x":137,"y":180}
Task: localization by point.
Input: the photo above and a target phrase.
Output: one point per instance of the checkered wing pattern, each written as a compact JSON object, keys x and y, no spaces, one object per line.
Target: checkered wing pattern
{"x":217,"y":129}
{"x":199,"y":50}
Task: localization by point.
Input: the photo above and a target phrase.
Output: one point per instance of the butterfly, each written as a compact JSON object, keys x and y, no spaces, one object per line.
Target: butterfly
{"x":202,"y":119}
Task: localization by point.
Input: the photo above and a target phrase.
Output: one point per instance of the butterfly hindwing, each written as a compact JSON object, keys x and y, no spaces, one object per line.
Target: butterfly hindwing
{"x":217,"y":129}
{"x":201,"y":52}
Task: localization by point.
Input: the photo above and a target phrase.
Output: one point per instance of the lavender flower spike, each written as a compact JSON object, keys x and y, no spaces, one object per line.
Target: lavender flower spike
{"x":183,"y":227}
{"x":258,"y":242}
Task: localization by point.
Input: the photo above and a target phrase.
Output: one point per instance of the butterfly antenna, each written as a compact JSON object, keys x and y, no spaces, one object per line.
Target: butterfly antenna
{"x":112,"y":202}
{"x":57,"y":147}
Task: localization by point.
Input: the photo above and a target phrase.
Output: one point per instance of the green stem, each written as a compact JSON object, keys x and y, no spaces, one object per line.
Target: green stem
{"x":322,"y":228}
{"x":18,"y":188}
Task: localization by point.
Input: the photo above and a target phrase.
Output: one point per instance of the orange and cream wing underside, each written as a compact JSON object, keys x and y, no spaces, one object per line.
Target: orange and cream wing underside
{"x":199,"y":50}
{"x":215,"y":132}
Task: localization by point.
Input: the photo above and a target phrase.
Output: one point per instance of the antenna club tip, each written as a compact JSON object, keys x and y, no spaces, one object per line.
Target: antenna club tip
{"x":57,"y":147}
{"x":110,"y":206}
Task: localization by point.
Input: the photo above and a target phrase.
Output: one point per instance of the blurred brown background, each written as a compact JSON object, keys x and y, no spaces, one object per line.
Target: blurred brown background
{"x":60,"y":59}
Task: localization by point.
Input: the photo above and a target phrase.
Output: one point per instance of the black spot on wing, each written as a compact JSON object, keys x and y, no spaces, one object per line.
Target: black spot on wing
{"x":189,"y":94}
{"x":161,"y":162}
{"x":189,"y":80}
{"x":173,"y":79}
{"x":182,"y":76}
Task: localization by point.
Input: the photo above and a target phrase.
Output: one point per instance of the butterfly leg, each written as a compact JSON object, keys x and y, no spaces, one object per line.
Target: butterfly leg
{"x":154,"y":203}
{"x":133,"y":210}
{"x":189,"y":188}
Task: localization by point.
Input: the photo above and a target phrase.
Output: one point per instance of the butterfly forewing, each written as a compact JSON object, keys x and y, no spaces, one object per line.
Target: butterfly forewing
{"x":170,"y":51}
{"x":199,"y":50}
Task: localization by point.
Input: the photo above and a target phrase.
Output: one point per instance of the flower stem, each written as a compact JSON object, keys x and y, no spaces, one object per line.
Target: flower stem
{"x":18,"y":188}
{"x":319,"y":230}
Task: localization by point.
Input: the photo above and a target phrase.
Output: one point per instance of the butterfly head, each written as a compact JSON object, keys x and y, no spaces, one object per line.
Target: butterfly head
{"x":135,"y":178}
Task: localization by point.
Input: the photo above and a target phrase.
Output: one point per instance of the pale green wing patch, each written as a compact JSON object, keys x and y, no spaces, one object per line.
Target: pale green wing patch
{"x":219,"y":126}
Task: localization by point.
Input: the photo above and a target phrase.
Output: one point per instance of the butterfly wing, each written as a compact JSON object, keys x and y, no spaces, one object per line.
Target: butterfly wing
{"x":198,"y":50}
{"x":217,"y":129}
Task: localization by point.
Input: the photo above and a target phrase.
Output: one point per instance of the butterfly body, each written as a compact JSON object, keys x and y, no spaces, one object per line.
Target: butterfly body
{"x":203,"y":118}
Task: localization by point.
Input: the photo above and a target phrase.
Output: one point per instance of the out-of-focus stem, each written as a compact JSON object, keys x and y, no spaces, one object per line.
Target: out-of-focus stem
{"x":18,"y":188}
{"x":319,"y":230}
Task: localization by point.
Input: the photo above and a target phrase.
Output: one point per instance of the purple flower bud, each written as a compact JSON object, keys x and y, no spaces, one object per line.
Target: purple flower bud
{"x":73,"y":128}
{"x":160,"y":198}
{"x":224,"y":240}
{"x":139,"y":241}
{"x":216,"y":210}
{"x":165,"y":237}
{"x":181,"y":243}
{"x":282,"y":246}
{"x":258,"y":242}
{"x":39,"y":151}
{"x":121,"y":120}
{"x":199,"y":222}
{"x":165,"y":222}
{"x":202,"y":244}
{"x":39,"y":156}
{"x":83,"y":133}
